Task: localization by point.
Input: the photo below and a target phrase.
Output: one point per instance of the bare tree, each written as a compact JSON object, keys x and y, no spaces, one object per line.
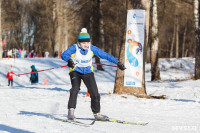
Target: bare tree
{"x":59,"y":18}
{"x":177,"y":38}
{"x":146,"y":4}
{"x":43,"y":26}
{"x":119,"y":87}
{"x":155,"y":71}
{"x":65,"y":26}
{"x":17,"y":23}
{"x":197,"y":36}
{"x":114,"y":25}
{"x":168,"y":12}
{"x":13,"y":11}
{"x":97,"y":28}
{"x":172,"y":43}
{"x":184,"y":38}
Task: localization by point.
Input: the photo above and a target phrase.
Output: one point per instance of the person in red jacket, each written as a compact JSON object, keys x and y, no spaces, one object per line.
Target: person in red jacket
{"x":10,"y":77}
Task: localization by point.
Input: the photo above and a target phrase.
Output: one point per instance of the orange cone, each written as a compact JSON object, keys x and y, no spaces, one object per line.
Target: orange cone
{"x":8,"y":57}
{"x":10,"y":66}
{"x":87,"y":94}
{"x":45,"y":81}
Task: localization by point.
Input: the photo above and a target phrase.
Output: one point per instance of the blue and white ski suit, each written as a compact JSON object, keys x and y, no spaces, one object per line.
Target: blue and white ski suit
{"x":83,"y":70}
{"x":84,"y":62}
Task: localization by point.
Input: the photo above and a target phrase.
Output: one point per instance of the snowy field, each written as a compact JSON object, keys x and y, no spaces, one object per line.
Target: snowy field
{"x":25,"y":108}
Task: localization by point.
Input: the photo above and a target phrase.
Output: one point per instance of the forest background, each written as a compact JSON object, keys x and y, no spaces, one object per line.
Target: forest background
{"x":53,"y":25}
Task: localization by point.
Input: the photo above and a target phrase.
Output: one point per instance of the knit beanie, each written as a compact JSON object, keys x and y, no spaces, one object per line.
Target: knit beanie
{"x":83,"y":36}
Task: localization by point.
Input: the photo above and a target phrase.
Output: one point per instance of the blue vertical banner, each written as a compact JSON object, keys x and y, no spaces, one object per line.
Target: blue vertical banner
{"x":134,"y":45}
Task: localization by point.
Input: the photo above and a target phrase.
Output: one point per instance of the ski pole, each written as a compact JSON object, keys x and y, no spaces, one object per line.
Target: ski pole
{"x":42,"y":70}
{"x":103,"y":64}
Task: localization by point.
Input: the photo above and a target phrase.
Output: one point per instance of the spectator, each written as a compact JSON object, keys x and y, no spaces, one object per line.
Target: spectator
{"x":20,"y":53}
{"x":56,"y":54}
{"x":5,"y":54}
{"x":46,"y":54}
{"x":34,"y":75}
{"x":10,"y":77}
{"x":43,"y":53}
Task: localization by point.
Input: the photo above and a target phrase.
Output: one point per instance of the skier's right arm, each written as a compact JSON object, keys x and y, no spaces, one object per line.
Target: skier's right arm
{"x":66,"y":55}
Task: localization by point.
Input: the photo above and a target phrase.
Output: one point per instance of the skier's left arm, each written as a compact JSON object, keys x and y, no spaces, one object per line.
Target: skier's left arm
{"x":104,"y":55}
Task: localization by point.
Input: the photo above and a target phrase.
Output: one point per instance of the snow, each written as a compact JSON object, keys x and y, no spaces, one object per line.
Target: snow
{"x":26,"y":108}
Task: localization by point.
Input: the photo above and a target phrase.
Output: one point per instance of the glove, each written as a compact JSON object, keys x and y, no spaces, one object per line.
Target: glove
{"x":71,"y":63}
{"x":121,"y":66}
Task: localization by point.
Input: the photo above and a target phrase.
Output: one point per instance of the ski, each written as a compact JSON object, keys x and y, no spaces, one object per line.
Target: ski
{"x":127,"y":122}
{"x":117,"y":121}
{"x":76,"y":122}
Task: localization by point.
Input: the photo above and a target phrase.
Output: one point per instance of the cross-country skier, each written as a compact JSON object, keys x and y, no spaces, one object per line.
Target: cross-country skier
{"x":34,"y":76}
{"x":79,"y":58}
{"x":10,"y":77}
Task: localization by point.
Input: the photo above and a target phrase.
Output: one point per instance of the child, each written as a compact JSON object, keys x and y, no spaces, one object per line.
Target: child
{"x":10,"y":77}
{"x":79,"y":58}
{"x":34,"y":76}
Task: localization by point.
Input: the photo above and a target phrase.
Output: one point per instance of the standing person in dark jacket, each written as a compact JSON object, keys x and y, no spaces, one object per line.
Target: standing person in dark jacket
{"x":79,"y":58}
{"x":10,"y":77}
{"x":43,"y":53}
{"x":34,"y":76}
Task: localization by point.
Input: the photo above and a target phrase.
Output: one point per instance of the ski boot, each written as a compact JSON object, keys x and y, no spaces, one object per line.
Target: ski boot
{"x":100,"y":117}
{"x":70,"y":115}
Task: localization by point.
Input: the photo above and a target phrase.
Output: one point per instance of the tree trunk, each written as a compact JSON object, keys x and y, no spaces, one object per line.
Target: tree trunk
{"x":177,"y":38}
{"x":61,"y":26}
{"x":184,"y":38}
{"x":155,"y":71}
{"x":58,"y":25}
{"x":101,"y":25}
{"x":65,"y":28}
{"x":146,"y":4}
{"x":97,"y":29}
{"x":172,"y":44}
{"x":119,"y":87}
{"x":186,"y":53}
{"x":1,"y":45}
{"x":197,"y":36}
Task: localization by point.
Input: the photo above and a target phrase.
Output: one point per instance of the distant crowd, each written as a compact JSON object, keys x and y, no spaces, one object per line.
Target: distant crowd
{"x":21,"y":53}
